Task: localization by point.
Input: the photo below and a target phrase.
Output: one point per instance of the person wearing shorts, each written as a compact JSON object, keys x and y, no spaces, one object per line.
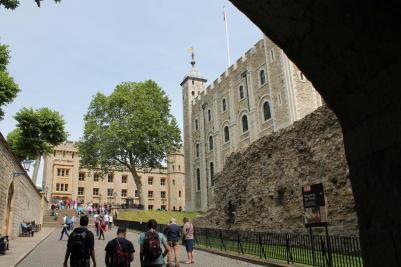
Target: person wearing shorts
{"x":188,"y":236}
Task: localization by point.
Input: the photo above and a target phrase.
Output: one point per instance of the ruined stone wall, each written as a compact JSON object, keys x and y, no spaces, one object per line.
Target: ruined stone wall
{"x":260,"y":188}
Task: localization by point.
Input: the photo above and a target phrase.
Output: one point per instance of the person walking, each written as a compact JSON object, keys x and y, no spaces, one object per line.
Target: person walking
{"x":188,"y":236}
{"x":119,"y":251}
{"x":110,"y":221}
{"x":173,"y":234}
{"x":80,"y":246}
{"x":96,"y":218}
{"x":102,"y":228}
{"x":150,"y":242}
{"x":66,"y":227}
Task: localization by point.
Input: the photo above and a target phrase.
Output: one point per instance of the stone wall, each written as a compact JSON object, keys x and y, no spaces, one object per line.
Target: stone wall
{"x":260,"y":188}
{"x":19,"y":198}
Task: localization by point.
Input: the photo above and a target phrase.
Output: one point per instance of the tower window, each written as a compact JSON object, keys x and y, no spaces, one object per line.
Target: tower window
{"x":301,"y":76}
{"x":244,"y":123}
{"x":266,"y":111}
{"x":198,"y":183}
{"x":279,"y":101}
{"x":224,"y":105}
{"x":262,"y":77}
{"x":193,"y":92}
{"x":197,"y":150}
{"x":209,"y":115}
{"x":271,"y":55}
{"x":196,"y":124}
{"x":211,"y":165}
{"x":226,"y":134}
{"x":210,"y":143}
{"x":241,"y":92}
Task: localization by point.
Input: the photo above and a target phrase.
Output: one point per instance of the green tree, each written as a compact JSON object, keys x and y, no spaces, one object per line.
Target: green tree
{"x":37,"y":132}
{"x":8,"y":88}
{"x":130,"y":129}
{"x":13,"y":4}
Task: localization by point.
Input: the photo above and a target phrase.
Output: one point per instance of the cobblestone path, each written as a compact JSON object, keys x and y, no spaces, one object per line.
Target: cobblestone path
{"x":50,"y":253}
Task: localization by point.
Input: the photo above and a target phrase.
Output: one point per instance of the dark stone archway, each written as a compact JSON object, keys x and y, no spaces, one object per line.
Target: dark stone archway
{"x":351,"y":51}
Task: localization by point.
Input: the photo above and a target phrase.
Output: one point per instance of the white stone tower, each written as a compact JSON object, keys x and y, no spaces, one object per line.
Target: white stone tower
{"x":192,"y":85}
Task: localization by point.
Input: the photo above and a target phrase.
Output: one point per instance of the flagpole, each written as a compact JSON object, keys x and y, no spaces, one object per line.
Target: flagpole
{"x":228,"y":42}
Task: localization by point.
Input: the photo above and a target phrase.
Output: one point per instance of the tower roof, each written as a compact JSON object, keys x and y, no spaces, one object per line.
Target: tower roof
{"x":194,"y":73}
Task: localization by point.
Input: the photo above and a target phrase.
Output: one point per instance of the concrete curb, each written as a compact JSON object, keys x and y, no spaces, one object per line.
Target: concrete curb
{"x":22,"y":257}
{"x":245,"y":259}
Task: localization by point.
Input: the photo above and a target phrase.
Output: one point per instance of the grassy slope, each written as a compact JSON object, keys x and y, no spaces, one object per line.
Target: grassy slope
{"x":162,"y":217}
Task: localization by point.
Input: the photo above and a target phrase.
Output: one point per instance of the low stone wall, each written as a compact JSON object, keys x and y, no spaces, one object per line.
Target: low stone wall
{"x":19,"y":198}
{"x":261,"y":188}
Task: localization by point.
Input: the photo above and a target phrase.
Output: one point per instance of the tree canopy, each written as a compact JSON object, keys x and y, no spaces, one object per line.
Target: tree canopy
{"x":8,"y":88}
{"x":37,"y":132}
{"x":131,"y":129}
{"x":13,"y":4}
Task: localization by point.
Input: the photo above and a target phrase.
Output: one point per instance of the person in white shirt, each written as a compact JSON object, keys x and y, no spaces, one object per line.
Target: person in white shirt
{"x":110,"y":221}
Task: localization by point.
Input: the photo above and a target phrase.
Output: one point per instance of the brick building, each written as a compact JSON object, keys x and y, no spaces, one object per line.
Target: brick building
{"x":261,"y":93}
{"x":64,"y":179}
{"x":19,"y":198}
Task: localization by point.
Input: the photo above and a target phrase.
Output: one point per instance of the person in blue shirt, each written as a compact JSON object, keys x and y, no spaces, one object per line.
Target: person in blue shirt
{"x":173,"y":234}
{"x":151,"y":243}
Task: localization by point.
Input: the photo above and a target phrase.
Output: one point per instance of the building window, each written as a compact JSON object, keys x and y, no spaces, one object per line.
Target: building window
{"x":124,"y":179}
{"x":96,"y":177}
{"x":262,"y":77}
{"x":163,"y":181}
{"x":179,"y":167}
{"x":210,"y":143}
{"x":163,"y":194}
{"x":211,"y":165}
{"x":109,"y":192}
{"x":266,"y":111}
{"x":66,"y":187}
{"x":150,"y":180}
{"x":110,"y":177}
{"x":301,"y":76}
{"x":209,"y":115}
{"x":173,"y":167}
{"x":279,"y":101}
{"x":123,"y":192}
{"x":198,"y":183}
{"x":163,"y":207}
{"x":95,"y":191}
{"x":241,"y":92}
{"x":81,"y":176}
{"x":226,"y":134}
{"x":63,"y":172}
{"x":81,"y":191}
{"x":196,"y":124}
{"x":136,"y":193}
{"x":224,"y":105}
{"x":150,"y":194}
{"x":244,"y":123}
{"x":193,"y":93}
{"x":179,"y":193}
{"x":61,"y":187}
{"x":57,"y":187}
{"x":197,"y":150}
{"x":173,"y":182}
{"x":271,"y":55}
{"x":150,"y":207}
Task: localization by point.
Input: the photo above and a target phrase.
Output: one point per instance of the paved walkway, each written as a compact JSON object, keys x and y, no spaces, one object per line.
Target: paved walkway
{"x":21,"y":246}
{"x":50,"y":253}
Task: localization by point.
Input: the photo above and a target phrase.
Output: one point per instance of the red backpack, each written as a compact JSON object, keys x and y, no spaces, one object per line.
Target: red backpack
{"x":121,"y":257}
{"x":151,"y":245}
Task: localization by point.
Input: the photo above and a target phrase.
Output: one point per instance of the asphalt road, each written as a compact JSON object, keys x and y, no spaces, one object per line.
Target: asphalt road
{"x":50,"y":253}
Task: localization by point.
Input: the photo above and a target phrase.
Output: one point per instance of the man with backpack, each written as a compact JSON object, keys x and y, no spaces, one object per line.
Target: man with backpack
{"x":80,"y":246}
{"x":119,"y":251}
{"x":151,"y":254}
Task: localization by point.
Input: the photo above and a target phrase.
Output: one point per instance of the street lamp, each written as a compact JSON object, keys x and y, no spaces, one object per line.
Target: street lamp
{"x":26,"y":164}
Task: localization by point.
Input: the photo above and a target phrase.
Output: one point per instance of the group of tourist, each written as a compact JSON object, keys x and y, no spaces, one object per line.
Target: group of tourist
{"x":102,"y":222}
{"x":120,"y":251}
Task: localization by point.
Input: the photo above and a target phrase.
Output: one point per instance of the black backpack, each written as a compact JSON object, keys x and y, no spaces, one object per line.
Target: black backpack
{"x":151,"y":245}
{"x":77,"y":247}
{"x":121,"y":257}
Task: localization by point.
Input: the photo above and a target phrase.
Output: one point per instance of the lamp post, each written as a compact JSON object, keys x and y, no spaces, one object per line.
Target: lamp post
{"x":115,"y":197}
{"x":26,"y":164}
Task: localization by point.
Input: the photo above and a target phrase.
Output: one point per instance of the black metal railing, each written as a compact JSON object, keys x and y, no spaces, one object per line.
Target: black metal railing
{"x":315,"y":250}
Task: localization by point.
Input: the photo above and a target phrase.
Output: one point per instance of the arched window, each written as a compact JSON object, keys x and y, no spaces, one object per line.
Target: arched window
{"x":244,"y":123}
{"x":241,"y":92}
{"x":209,"y":114}
{"x":266,"y":111}
{"x":262,"y":77}
{"x":197,"y":150}
{"x":198,"y":183}
{"x":226,"y":134}
{"x":196,"y":124}
{"x":224,"y":104}
{"x":211,"y":165}
{"x":210,"y":143}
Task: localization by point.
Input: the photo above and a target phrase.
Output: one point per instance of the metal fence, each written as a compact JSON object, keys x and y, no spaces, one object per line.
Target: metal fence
{"x":315,"y":250}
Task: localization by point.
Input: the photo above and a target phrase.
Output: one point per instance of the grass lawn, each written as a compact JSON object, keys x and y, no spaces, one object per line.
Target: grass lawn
{"x":162,"y":217}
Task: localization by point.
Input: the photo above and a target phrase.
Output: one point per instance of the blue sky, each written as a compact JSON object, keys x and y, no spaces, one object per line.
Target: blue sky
{"x":63,"y":54}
